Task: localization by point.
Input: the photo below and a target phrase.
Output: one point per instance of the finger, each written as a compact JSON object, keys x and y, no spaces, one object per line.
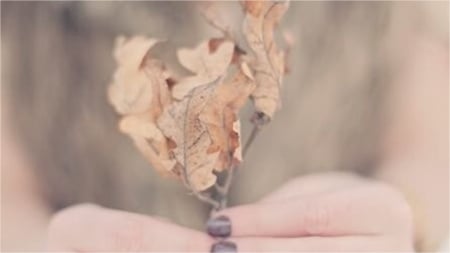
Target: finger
{"x":333,"y":214}
{"x":90,"y":228}
{"x":313,"y":184}
{"x":320,"y":244}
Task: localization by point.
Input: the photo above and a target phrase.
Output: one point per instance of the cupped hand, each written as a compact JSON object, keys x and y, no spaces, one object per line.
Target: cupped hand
{"x":330,"y":212}
{"x":89,"y":228}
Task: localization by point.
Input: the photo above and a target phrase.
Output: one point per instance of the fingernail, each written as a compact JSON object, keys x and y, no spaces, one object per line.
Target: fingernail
{"x":219,"y":226}
{"x":224,"y":246}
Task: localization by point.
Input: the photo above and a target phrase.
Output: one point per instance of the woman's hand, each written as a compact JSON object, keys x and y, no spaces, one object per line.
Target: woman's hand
{"x":89,"y":228}
{"x":332,"y":212}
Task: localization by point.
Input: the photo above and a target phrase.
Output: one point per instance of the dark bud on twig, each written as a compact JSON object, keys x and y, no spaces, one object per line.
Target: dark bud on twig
{"x":260,"y":119}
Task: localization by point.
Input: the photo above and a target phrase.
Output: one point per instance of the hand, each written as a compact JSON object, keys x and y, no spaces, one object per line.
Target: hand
{"x":89,"y":228}
{"x":330,"y":212}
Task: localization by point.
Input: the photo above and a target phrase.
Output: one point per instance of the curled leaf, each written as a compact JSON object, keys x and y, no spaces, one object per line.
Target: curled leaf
{"x":140,"y":125}
{"x":205,"y":128}
{"x":140,"y":93}
{"x":180,"y":123}
{"x":221,"y":117}
{"x":150,"y":141}
{"x":130,"y":91}
{"x":190,"y":128}
{"x":261,"y":19}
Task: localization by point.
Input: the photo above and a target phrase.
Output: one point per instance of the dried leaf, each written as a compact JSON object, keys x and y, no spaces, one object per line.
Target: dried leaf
{"x":165,"y":167}
{"x":180,"y":123}
{"x":190,"y":128}
{"x":150,"y":141}
{"x":221,"y":117}
{"x":261,"y":19}
{"x":130,"y":91}
{"x":139,"y":91}
{"x":208,"y":61}
{"x":205,"y":128}
{"x":140,"y":125}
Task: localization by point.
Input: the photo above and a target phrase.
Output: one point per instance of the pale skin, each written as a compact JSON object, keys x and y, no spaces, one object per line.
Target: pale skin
{"x":315,"y":213}
{"x":323,"y":212}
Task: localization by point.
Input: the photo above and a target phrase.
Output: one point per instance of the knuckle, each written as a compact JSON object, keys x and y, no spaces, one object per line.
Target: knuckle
{"x":128,"y":235}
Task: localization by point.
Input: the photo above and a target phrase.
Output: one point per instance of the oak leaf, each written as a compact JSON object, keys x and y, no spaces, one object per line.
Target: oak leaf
{"x":207,"y":61}
{"x":190,"y":128}
{"x":140,"y":93}
{"x":220,"y":115}
{"x":205,"y":128}
{"x":130,"y":91}
{"x":180,"y":123}
{"x":150,"y":141}
{"x":261,"y":19}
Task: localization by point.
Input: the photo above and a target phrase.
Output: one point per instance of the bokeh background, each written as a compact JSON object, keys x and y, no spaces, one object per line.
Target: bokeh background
{"x":57,"y":62}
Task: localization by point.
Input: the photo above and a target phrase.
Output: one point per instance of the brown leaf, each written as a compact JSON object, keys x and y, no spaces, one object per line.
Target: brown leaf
{"x":139,"y":91}
{"x":150,"y":141}
{"x":208,"y":61}
{"x":140,"y":125}
{"x":261,"y":19}
{"x":189,"y":128}
{"x":180,"y":123}
{"x":205,"y":128}
{"x":221,"y":116}
{"x":130,"y":91}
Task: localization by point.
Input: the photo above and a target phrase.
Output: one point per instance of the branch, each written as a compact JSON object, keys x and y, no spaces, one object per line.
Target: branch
{"x":259,"y":120}
{"x":202,"y":197}
{"x":255,"y":130}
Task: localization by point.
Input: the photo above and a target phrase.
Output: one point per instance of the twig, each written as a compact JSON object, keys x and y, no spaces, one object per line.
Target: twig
{"x":223,"y":190}
{"x":214,"y":203}
{"x":259,"y":120}
{"x":202,"y":197}
{"x":255,"y":130}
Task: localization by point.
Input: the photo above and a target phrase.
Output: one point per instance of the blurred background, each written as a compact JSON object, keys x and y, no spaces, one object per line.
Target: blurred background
{"x":56,"y":60}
